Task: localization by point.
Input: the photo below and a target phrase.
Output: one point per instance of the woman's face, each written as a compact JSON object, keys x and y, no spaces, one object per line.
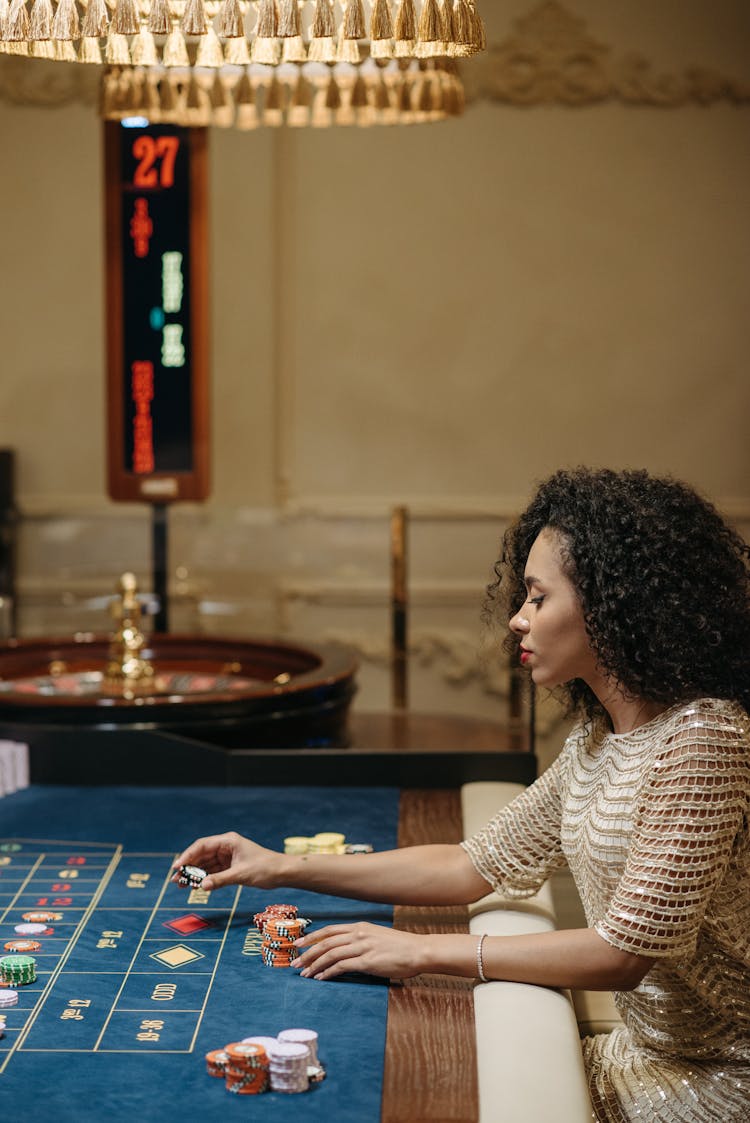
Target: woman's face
{"x":549,"y":625}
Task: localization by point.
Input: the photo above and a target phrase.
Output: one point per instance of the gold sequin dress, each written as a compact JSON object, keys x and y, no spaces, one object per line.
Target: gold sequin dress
{"x":654,"y":827}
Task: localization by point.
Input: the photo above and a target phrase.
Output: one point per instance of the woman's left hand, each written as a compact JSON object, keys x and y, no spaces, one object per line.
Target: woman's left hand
{"x":370,"y":948}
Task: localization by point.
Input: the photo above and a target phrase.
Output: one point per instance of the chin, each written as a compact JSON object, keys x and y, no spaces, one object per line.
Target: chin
{"x":540,"y":678}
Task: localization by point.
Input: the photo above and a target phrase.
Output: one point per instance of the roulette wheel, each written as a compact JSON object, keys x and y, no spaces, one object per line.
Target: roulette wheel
{"x":60,"y":695}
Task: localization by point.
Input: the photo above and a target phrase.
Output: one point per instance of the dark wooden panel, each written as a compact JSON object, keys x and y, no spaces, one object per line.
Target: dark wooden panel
{"x":430,"y":1071}
{"x":402,"y":731}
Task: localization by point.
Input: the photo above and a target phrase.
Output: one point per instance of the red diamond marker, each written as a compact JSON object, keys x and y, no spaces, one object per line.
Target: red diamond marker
{"x":186,"y":924}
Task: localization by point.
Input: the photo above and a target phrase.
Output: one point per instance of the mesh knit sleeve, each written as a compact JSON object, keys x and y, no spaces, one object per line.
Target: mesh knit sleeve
{"x":689,"y":826}
{"x":520,"y":847}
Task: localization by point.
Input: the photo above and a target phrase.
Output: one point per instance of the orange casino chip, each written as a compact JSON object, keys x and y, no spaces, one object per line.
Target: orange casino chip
{"x":22,"y":945}
{"x":216,"y":1062}
{"x":41,"y":917}
{"x":284,"y":928}
{"x":247,"y":1068}
{"x":246,"y":1054}
{"x":247,"y":1084}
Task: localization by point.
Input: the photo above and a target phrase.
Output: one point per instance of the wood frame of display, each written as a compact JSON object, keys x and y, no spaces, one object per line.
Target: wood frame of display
{"x":157,"y":313}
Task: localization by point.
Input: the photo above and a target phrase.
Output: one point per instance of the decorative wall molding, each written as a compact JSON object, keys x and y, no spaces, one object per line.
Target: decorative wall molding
{"x":495,"y":509}
{"x":550,"y":59}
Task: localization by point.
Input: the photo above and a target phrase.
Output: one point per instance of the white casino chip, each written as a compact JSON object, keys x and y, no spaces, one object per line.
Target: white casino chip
{"x":30,"y":929}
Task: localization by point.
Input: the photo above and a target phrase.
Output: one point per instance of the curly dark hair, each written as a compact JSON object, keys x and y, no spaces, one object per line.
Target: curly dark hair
{"x":664,"y":584}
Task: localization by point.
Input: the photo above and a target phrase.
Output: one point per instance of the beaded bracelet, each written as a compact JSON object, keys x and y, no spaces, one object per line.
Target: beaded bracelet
{"x":480,"y":961}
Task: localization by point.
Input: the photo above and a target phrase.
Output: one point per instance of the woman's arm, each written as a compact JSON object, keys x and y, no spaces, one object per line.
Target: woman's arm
{"x":415,"y":875}
{"x":576,"y":957}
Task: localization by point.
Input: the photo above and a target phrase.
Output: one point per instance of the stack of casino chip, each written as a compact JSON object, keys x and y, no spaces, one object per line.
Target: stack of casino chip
{"x":18,"y":969}
{"x":273,"y":912}
{"x":247,"y":1068}
{"x":308,"y":1037}
{"x":8,"y":998}
{"x":279,"y":933}
{"x":287,"y":1063}
{"x":297,"y":844}
{"x":216,"y":1062}
{"x":326,"y":842}
{"x":287,"y":1068}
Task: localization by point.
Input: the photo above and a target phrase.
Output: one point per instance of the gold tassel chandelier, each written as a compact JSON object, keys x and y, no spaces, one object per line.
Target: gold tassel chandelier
{"x":389,"y":92}
{"x":212,"y":33}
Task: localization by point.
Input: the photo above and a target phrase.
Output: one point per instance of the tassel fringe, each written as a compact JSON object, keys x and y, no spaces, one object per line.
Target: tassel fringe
{"x":41,"y":20}
{"x":17,"y":27}
{"x":117,"y":52}
{"x":289,"y":31}
{"x":323,"y":24}
{"x":231,"y":20}
{"x":354,"y":21}
{"x":159,"y":19}
{"x":143,"y":51}
{"x":267,"y":22}
{"x":95,"y":21}
{"x":387,"y":93}
{"x":288,"y":20}
{"x":174,"y":52}
{"x":194,"y":20}
{"x":125,"y":20}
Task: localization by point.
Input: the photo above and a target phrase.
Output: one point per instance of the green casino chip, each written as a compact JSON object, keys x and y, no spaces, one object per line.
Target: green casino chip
{"x":18,"y":969}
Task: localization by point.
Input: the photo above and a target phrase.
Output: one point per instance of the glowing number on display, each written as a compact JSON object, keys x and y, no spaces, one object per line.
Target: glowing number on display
{"x":147,"y":150}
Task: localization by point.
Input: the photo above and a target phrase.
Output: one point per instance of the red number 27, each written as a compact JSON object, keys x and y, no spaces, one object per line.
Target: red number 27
{"x":147,"y":150}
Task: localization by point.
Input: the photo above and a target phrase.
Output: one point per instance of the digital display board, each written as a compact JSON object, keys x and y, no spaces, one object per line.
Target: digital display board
{"x":157,"y":312}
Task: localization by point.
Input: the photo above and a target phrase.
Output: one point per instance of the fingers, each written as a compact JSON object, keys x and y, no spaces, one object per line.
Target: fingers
{"x":204,"y":850}
{"x":333,"y":951}
{"x":323,"y":949}
{"x":214,"y":854}
{"x":230,"y":859}
{"x":370,"y":948}
{"x":338,"y":949}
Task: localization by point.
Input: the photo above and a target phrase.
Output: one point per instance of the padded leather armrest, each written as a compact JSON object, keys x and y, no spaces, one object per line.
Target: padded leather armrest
{"x":529,"y":1056}
{"x":480,"y":800}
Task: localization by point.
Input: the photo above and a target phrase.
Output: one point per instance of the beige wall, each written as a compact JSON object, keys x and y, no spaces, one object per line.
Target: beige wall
{"x":435,"y":315}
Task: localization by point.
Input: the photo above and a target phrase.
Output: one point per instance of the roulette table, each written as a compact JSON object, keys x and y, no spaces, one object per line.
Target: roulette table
{"x":137,"y":979}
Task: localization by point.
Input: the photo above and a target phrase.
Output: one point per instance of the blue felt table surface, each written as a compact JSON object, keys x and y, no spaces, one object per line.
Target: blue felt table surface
{"x":126,"y":1005}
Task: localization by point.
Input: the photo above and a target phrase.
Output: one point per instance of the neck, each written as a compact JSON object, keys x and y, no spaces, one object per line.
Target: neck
{"x":625,"y":713}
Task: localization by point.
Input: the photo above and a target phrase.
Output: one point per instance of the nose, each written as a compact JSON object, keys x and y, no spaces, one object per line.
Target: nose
{"x":519,"y":624}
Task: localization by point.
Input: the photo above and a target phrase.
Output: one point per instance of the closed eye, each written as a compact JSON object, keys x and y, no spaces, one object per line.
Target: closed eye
{"x":536,"y":600}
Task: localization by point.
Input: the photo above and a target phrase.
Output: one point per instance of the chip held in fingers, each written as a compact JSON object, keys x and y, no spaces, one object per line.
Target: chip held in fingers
{"x":191,"y":876}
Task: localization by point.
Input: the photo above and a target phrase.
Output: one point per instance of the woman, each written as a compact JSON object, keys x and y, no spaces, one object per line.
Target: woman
{"x":632,"y":595}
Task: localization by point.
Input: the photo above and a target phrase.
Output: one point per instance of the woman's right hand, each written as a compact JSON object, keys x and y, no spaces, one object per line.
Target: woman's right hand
{"x":230,"y":859}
